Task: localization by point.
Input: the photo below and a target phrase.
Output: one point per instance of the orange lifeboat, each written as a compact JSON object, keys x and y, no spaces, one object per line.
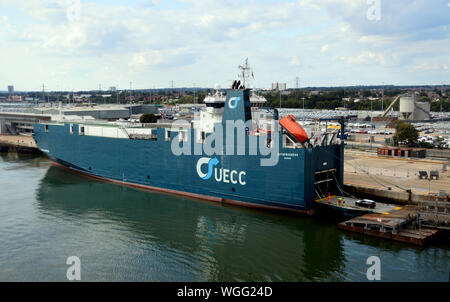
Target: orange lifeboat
{"x":290,"y":124}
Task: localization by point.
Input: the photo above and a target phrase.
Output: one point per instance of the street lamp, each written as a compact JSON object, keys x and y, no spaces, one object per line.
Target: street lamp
{"x":280,"y":97}
{"x":194,"y":94}
{"x":371,"y":112}
{"x":429,"y":186}
{"x":117,"y":93}
{"x":344,"y":98}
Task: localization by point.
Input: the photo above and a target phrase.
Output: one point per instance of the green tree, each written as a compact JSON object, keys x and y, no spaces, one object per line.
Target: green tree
{"x":148,"y":118}
{"x":425,"y":145}
{"x":405,"y":133}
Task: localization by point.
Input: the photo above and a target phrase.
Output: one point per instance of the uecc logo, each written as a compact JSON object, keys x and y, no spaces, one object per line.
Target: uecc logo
{"x":233,"y":102}
{"x":220,"y":175}
{"x":211,"y":163}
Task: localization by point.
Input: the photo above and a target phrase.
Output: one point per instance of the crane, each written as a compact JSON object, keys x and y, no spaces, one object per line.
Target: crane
{"x":392,"y":105}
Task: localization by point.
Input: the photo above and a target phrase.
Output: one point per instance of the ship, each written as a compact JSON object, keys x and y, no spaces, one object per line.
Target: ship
{"x":265,"y":163}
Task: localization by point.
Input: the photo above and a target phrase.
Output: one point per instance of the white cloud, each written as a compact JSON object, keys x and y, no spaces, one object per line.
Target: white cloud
{"x":429,"y":67}
{"x":338,"y":58}
{"x":368,"y":57}
{"x":152,"y":43}
{"x":295,"y":60}
{"x":376,"y":40}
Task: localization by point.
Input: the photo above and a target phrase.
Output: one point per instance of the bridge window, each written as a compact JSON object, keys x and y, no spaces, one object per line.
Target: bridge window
{"x":183,"y":136}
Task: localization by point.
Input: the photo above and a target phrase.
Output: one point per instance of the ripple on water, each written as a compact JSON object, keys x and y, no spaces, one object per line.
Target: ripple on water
{"x":124,"y":234}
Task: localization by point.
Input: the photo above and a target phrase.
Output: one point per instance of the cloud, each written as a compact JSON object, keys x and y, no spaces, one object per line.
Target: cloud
{"x":397,"y":18}
{"x":368,"y":57}
{"x":153,"y":42}
{"x":295,"y":60}
{"x":167,"y":58}
{"x":428,"y":67}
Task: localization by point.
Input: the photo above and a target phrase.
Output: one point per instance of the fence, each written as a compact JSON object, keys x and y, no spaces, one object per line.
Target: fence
{"x":359,"y":168}
{"x":440,"y":153}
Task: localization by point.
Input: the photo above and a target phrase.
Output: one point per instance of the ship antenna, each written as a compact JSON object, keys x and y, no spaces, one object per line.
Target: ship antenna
{"x":245,"y":72}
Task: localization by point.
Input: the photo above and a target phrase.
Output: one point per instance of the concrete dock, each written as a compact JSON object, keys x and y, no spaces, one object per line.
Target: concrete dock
{"x":18,"y":143}
{"x":348,"y":205}
{"x":398,"y":225}
{"x":412,"y":224}
{"x":391,"y":178}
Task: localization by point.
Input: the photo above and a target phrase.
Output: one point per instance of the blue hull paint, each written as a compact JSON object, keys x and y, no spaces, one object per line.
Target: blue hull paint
{"x":288,"y":185}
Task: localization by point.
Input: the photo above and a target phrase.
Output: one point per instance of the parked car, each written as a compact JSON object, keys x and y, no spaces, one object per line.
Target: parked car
{"x":434,"y":175}
{"x":367,"y":203}
{"x":423,"y":175}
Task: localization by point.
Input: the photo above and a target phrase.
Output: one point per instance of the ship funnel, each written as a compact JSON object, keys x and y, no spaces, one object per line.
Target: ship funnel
{"x":237,"y":105}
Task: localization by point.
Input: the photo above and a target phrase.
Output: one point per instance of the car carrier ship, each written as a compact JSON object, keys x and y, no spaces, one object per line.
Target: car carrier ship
{"x":307,"y":166}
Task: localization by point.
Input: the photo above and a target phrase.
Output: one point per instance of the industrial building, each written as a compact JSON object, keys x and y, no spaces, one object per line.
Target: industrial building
{"x":22,"y":122}
{"x":411,"y":110}
{"x":107,"y":112}
{"x":401,"y":152}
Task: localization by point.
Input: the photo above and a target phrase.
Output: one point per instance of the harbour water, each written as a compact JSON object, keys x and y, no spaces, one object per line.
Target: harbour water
{"x":48,"y":214}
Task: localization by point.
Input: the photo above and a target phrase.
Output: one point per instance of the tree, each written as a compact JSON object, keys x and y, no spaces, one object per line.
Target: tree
{"x":405,"y":133}
{"x":148,"y":118}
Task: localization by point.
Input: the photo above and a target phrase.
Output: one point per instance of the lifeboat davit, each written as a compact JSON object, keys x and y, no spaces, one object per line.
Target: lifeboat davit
{"x":291,"y":125}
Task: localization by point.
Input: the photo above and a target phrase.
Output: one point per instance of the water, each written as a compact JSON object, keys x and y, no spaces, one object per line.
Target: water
{"x":122,"y":234}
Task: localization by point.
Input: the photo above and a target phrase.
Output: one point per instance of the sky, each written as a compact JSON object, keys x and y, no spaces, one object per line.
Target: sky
{"x":80,"y":45}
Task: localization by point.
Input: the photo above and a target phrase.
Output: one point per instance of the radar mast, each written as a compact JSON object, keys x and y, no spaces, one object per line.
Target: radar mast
{"x":245,"y":73}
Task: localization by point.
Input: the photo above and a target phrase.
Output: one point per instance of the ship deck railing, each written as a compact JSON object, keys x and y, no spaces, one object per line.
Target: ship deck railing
{"x":117,"y":124}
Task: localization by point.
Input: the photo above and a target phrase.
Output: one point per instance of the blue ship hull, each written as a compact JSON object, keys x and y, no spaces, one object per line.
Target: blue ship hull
{"x":237,"y":179}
